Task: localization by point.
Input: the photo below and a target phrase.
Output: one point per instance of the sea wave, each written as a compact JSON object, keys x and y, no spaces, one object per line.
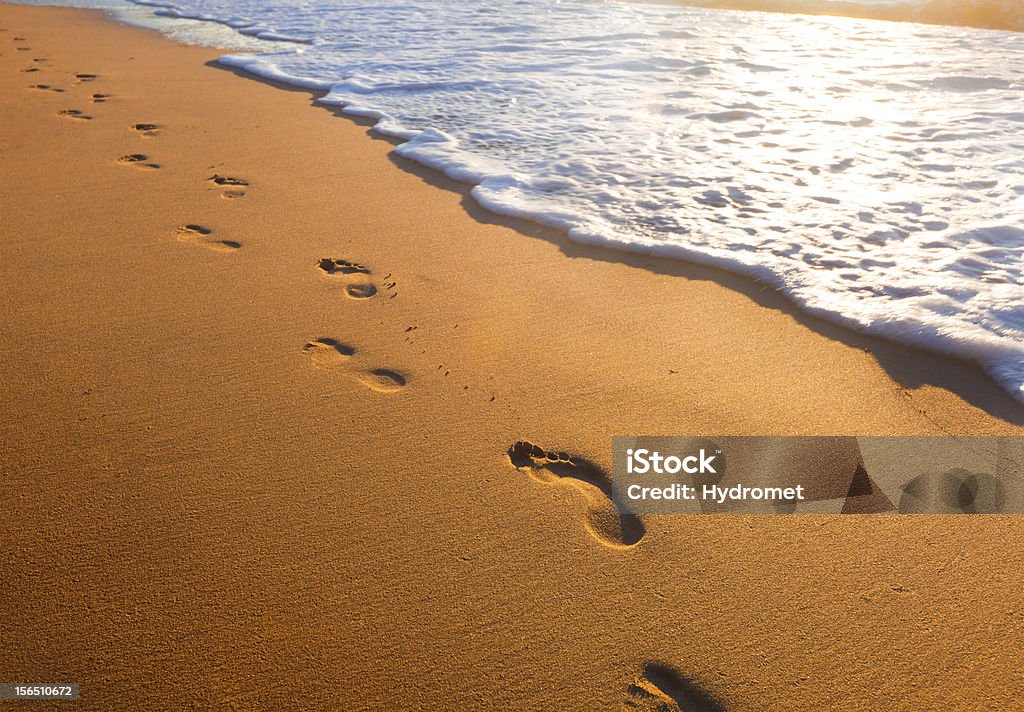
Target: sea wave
{"x":870,"y":171}
{"x":989,"y":14}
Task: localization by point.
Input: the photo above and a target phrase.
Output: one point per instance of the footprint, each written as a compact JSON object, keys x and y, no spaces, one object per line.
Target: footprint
{"x":46,"y":87}
{"x":146,"y":129}
{"x":604,"y":522}
{"x":139,"y":160}
{"x":227,"y":180}
{"x":234,"y":186}
{"x":663,"y":689}
{"x":30,"y":69}
{"x":360,"y":291}
{"x":201,"y":235}
{"x":331,"y":354}
{"x":383,"y":380}
{"x":328,"y":353}
{"x":332,"y":265}
{"x":82,"y":77}
{"x":100,"y":98}
{"x":74,"y":114}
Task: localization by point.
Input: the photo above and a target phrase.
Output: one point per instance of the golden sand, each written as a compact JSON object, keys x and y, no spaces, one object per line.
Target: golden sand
{"x":259,"y":385}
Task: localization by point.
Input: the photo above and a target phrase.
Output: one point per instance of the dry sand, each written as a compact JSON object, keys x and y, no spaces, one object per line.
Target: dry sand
{"x":227,"y":483}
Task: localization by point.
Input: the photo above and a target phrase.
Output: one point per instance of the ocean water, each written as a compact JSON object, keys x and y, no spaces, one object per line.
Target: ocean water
{"x":993,"y":14}
{"x":871,"y":171}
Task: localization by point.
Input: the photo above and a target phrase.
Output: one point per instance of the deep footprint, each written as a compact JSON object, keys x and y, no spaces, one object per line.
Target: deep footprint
{"x":139,"y":160}
{"x":201,"y":236}
{"x":100,"y":98}
{"x":603,"y":521}
{"x":226,"y":180}
{"x":47,"y":87}
{"x":663,"y":689}
{"x":360,"y":291}
{"x":333,"y":265}
{"x":82,"y":77}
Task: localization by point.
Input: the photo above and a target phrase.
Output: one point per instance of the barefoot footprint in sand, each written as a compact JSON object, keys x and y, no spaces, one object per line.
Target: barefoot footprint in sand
{"x":663,"y":689}
{"x":233,"y":187}
{"x":603,"y":521}
{"x":333,"y":355}
{"x":138,"y":160}
{"x":361,"y":288}
{"x":73,"y":114}
{"x":147,"y":130}
{"x":200,"y":235}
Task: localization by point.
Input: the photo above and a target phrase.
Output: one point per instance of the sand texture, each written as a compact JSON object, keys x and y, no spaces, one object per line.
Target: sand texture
{"x":260,"y":390}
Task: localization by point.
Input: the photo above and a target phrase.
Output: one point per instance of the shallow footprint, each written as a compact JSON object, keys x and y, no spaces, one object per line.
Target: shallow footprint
{"x":73,"y":114}
{"x":146,"y":129}
{"x":383,"y":380}
{"x":234,"y":187}
{"x":603,"y":521}
{"x":328,"y":353}
{"x":138,"y":160}
{"x":46,"y":87}
{"x":663,"y":689}
{"x":331,"y":354}
{"x":201,"y":236}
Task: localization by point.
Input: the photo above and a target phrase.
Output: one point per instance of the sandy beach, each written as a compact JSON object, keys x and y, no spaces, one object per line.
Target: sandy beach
{"x":260,"y":383}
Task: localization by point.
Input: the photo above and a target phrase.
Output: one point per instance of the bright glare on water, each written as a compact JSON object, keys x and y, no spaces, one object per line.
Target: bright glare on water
{"x":872,"y":171}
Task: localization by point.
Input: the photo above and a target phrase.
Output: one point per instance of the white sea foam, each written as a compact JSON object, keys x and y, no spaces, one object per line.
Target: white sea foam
{"x":993,"y":14}
{"x":871,"y":171}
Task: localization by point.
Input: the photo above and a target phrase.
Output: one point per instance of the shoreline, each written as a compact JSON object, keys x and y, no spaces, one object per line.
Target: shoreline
{"x":964,"y":342}
{"x":1003,"y":406}
{"x":244,"y":475}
